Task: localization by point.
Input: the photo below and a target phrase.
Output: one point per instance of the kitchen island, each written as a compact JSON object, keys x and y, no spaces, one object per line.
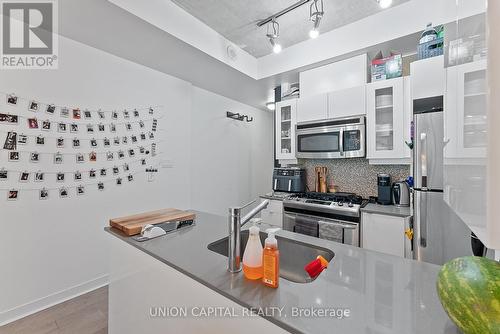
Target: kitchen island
{"x":174,"y":283}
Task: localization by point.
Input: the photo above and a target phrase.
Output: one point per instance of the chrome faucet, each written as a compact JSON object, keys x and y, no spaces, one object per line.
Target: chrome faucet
{"x":235,"y":224}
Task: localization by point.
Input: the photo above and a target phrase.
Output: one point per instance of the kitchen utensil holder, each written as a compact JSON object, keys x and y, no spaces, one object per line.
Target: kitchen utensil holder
{"x":239,"y":117}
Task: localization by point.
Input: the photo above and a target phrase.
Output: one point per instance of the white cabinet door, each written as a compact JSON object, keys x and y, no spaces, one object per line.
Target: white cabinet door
{"x":286,"y":119}
{"x":428,"y":78}
{"x":382,"y":233}
{"x":312,"y":108}
{"x":347,"y":102}
{"x":465,"y":113}
{"x":385,"y":115}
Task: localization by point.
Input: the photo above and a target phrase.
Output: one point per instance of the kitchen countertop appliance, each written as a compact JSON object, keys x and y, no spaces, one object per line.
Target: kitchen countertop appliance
{"x":400,"y":194}
{"x":439,"y":234}
{"x":331,"y":139}
{"x":334,"y":217}
{"x":292,"y":180}
{"x":384,"y":189}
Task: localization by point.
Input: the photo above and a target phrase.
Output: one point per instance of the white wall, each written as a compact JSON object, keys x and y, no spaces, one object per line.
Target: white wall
{"x":55,"y":249}
{"x":233,"y":159}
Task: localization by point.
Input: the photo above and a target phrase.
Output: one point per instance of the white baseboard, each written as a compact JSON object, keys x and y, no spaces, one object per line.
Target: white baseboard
{"x":51,"y":300}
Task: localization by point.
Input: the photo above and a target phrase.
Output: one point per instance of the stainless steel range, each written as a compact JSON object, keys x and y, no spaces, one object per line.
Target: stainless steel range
{"x":333,"y":217}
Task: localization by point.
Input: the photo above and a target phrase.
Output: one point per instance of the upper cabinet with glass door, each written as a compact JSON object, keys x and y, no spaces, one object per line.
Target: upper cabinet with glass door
{"x":386,"y":120}
{"x":471,"y":154}
{"x":286,"y":114}
{"x":466,"y":111}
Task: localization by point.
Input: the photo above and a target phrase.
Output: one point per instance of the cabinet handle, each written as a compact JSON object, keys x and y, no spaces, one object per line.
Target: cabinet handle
{"x":344,"y":226}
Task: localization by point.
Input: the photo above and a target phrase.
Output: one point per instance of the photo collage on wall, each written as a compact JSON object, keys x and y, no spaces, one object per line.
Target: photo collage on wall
{"x":42,"y":134}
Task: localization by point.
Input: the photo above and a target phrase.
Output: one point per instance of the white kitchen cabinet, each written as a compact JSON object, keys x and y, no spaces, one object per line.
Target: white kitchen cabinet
{"x":286,"y":118}
{"x":387,"y":121}
{"x":347,"y":102}
{"x":312,"y":108}
{"x":350,"y":72}
{"x":465,"y":113}
{"x":385,"y":234}
{"x":428,"y":78}
{"x":273,"y":214}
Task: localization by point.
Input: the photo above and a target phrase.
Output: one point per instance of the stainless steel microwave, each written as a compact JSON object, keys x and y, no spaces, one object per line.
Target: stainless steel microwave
{"x":332,"y":138}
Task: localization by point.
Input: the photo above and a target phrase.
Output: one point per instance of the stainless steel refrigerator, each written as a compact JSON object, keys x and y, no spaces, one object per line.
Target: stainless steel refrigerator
{"x":439,"y":234}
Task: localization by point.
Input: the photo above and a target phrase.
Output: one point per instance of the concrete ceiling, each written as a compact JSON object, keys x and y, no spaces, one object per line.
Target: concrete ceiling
{"x":236,"y":19}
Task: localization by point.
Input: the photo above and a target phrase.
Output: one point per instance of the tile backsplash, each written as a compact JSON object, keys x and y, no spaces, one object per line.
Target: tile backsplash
{"x":354,"y":175}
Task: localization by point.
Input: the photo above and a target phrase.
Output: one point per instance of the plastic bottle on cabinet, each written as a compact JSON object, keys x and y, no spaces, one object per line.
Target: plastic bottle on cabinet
{"x":271,"y":262}
{"x":429,"y":34}
{"x":252,"y":257}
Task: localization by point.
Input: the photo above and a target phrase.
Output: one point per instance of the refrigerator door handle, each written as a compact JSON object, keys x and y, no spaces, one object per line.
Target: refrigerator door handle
{"x":341,"y":142}
{"x":423,"y":158}
{"x":423,"y":220}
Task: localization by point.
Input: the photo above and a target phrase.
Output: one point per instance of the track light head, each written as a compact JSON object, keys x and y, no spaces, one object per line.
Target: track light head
{"x":313,"y":33}
{"x":276,"y":46}
{"x":273,"y":33}
{"x":316,"y":13}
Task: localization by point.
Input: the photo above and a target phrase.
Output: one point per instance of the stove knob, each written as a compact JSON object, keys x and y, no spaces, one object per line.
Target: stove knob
{"x":350,"y":204}
{"x":341,"y":204}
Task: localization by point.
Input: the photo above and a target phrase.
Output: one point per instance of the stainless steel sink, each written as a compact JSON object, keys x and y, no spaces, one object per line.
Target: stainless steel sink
{"x":294,"y":255}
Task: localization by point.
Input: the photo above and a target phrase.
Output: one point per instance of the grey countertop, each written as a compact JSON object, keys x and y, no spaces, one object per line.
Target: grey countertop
{"x":384,"y":293}
{"x":390,"y":210}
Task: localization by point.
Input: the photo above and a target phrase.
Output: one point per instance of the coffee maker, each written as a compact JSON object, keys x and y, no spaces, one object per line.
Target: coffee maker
{"x":384,"y":189}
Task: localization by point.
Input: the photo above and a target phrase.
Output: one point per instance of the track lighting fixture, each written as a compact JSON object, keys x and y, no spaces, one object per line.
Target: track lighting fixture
{"x":384,"y":3}
{"x":273,"y":33}
{"x":316,"y":13}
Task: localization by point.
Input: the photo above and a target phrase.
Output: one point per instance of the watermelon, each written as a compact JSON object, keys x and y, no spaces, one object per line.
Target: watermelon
{"x":469,"y":290}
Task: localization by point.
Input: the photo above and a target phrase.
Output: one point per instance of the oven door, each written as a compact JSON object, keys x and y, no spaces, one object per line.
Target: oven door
{"x":325,"y":143}
{"x":339,"y":231}
{"x":303,"y":224}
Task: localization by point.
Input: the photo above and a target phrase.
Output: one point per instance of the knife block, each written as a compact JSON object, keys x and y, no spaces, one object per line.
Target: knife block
{"x":320,"y":182}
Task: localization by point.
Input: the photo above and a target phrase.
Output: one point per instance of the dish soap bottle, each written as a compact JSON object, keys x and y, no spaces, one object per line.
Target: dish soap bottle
{"x":252,"y":257}
{"x":271,"y":262}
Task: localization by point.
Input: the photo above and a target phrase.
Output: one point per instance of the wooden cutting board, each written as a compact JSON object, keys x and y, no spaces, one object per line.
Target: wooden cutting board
{"x":132,"y":225}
